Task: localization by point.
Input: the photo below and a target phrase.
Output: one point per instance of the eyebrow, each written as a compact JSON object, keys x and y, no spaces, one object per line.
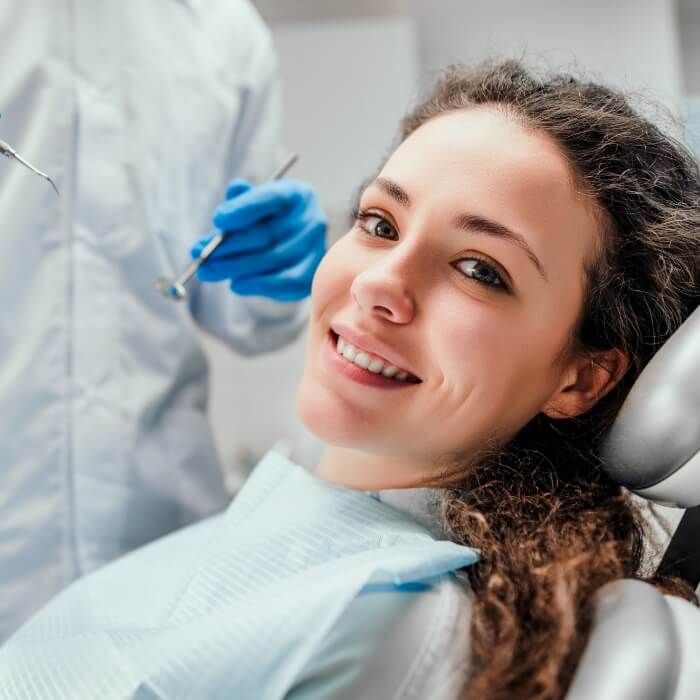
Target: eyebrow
{"x":394,"y":190}
{"x":479,"y":224}
{"x":467,"y":222}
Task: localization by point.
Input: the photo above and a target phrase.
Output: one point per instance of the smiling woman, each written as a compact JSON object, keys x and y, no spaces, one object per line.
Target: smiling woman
{"x":525,"y":251}
{"x":521,"y":256}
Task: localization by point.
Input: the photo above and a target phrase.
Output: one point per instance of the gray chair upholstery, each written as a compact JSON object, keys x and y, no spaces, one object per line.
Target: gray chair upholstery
{"x":644,"y":645}
{"x":634,"y":651}
{"x":654,"y":446}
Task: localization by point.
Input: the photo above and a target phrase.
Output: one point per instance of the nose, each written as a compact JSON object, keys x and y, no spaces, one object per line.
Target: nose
{"x":384,"y":291}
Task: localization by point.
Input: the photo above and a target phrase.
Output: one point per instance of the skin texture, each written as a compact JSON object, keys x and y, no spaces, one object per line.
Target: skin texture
{"x":488,"y":359}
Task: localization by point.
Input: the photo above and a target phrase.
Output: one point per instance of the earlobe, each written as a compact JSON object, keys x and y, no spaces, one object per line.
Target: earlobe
{"x":585,"y":382}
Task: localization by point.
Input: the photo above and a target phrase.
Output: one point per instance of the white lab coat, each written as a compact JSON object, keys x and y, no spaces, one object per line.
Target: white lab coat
{"x":141,"y":111}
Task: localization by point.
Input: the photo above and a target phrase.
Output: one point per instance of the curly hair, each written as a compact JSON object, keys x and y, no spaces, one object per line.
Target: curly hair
{"x":551,"y":526}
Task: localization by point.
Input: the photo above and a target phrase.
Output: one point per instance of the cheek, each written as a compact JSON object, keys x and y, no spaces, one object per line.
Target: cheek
{"x":474,"y":337}
{"x":497,"y":362}
{"x":317,"y":406}
{"x":333,"y":276}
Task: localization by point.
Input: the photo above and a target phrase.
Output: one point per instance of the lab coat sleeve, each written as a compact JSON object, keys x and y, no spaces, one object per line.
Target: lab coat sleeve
{"x":403,"y":645}
{"x":252,"y":325}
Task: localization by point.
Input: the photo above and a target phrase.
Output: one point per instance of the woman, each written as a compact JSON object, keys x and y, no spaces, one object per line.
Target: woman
{"x":520,"y":257}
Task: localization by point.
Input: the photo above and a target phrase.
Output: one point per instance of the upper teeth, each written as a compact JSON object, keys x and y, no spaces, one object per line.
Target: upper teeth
{"x":370,"y":362}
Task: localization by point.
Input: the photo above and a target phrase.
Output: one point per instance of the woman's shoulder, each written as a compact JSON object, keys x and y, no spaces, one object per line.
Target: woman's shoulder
{"x":398,"y":644}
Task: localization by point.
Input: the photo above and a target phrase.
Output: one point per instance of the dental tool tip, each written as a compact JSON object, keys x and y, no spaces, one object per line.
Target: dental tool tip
{"x":171,"y":289}
{"x":9,"y":152}
{"x":53,"y":184}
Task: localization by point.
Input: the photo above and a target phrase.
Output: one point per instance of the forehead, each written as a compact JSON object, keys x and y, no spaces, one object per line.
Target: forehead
{"x":484,"y":161}
{"x":489,"y":142}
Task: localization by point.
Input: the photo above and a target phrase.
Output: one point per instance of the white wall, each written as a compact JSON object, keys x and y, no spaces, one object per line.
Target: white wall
{"x":346,"y":85}
{"x":633,"y":43}
{"x":689,"y":26}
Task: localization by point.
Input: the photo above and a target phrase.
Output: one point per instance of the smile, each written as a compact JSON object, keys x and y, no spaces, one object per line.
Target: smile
{"x":364,"y":367}
{"x":372,"y":363}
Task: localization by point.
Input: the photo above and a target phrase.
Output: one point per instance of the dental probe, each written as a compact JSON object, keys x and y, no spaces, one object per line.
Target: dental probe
{"x":7,"y":150}
{"x":175,"y":289}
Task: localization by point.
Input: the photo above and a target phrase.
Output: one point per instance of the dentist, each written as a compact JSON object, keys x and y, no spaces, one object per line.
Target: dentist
{"x":142,"y":112}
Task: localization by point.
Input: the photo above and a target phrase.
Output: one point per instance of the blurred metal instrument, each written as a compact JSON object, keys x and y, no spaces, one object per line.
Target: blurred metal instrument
{"x":7,"y":150}
{"x":175,"y":289}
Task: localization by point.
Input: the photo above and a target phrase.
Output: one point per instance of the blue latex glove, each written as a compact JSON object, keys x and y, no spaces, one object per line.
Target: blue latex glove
{"x":276,"y":238}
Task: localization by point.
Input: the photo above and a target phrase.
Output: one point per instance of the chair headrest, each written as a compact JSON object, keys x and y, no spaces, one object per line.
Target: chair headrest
{"x":653,"y":447}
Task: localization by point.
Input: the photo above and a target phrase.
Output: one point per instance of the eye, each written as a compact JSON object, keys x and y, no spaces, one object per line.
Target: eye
{"x":375,"y":225}
{"x":482,"y":272}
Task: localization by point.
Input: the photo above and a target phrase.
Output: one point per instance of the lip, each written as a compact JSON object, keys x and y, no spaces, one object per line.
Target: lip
{"x":372,"y":346}
{"x":339,"y":366}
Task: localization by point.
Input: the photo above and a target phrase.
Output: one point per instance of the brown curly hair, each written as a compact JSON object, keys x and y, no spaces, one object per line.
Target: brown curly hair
{"x":551,"y":526}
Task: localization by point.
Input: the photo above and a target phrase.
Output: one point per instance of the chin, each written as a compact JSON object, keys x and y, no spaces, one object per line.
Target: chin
{"x":325,"y":416}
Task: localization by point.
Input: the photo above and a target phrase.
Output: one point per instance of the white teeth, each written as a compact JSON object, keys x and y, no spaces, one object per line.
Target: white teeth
{"x":375,"y":366}
{"x":368,"y":362}
{"x":362,"y":360}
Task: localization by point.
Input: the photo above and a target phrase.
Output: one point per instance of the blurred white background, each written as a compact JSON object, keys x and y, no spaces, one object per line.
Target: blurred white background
{"x":351,"y":70}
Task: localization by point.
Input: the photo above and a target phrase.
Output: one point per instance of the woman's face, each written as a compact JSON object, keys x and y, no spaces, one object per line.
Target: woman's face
{"x":464,"y":270}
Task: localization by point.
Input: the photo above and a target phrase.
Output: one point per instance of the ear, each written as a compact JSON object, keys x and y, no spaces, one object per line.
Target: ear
{"x":585,"y":381}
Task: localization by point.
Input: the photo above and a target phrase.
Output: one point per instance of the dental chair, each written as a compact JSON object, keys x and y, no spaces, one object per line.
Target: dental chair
{"x":645,"y":645}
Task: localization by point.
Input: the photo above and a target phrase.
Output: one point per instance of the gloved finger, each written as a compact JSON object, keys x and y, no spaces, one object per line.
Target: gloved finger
{"x":236,"y":187}
{"x":250,"y":264}
{"x":266,"y":200}
{"x":198,"y":247}
{"x":292,"y":284}
{"x":280,"y":255}
{"x":259,"y":237}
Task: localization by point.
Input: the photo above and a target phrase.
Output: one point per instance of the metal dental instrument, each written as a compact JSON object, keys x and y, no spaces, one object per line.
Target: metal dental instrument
{"x":175,"y":289}
{"x":7,"y":150}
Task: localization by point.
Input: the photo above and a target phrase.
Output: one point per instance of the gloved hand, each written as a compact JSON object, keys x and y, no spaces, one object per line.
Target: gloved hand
{"x":276,"y":238}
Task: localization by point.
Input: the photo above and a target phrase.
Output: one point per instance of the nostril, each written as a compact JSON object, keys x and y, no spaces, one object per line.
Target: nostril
{"x":383,"y":296}
{"x":383,"y":310}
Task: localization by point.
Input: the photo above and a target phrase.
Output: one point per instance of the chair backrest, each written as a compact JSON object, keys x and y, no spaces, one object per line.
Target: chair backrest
{"x":654,"y":445}
{"x":633,"y":652}
{"x":643,"y":646}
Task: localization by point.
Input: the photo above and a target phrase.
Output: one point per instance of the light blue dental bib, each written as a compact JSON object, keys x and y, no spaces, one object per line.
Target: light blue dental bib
{"x":233,"y":607}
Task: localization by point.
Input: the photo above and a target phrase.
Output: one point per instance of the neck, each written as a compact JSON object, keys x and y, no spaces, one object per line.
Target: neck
{"x":368,"y":471}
